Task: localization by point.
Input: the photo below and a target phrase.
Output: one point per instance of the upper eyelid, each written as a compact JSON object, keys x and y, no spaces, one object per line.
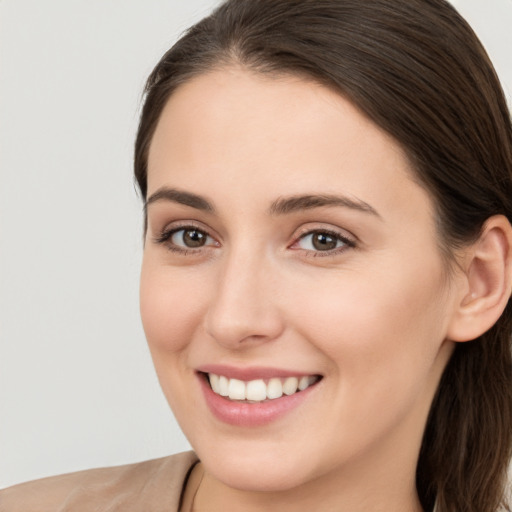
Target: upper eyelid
{"x":334,"y":234}
{"x":336,"y":231}
{"x":349,"y":242}
{"x":187,"y":225}
{"x":170,"y":230}
{"x":192,"y":224}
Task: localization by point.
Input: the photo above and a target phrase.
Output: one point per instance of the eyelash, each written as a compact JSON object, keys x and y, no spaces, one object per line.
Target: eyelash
{"x":348,"y":243}
{"x":165,"y":237}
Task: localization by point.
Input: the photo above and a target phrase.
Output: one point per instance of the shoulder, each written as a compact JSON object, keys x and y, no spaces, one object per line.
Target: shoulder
{"x":152,"y":486}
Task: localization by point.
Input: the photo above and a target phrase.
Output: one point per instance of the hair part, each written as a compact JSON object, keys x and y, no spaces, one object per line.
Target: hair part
{"x":417,"y":70}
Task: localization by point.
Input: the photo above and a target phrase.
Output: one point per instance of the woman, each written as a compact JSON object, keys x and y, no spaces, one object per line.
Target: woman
{"x":327,"y":265}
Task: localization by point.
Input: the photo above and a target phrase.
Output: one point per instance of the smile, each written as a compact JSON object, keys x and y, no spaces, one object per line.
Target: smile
{"x":259,"y":390}
{"x":256,"y":396}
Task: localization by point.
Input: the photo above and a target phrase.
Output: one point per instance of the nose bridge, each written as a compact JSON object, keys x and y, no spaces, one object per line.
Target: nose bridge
{"x":243,"y":307}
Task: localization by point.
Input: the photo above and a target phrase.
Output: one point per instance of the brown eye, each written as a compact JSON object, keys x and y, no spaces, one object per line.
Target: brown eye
{"x":189,"y":238}
{"x":323,"y":241}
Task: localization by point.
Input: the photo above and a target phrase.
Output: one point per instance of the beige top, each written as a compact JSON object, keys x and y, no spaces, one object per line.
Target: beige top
{"x":158,"y":485}
{"x":150,"y":486}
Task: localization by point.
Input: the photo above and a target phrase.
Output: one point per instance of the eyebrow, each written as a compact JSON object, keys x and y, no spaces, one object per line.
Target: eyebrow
{"x":180,"y":197}
{"x":285,"y":205}
{"x":281,"y":206}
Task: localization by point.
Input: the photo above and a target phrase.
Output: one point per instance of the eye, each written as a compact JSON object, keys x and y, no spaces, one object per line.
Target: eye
{"x":191,"y":238}
{"x":185,"y":238}
{"x":323,"y":241}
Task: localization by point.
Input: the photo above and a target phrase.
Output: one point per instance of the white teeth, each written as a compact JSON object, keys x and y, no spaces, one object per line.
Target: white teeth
{"x":274,"y":389}
{"x":223,"y":386}
{"x":303,"y":383}
{"x":258,"y":390}
{"x":214,"y":382}
{"x":290,"y":385}
{"x":236,"y":389}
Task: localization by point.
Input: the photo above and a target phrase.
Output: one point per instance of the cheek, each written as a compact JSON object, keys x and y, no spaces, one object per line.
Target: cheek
{"x":170,"y":304}
{"x":382,"y":342}
{"x":382,"y":327}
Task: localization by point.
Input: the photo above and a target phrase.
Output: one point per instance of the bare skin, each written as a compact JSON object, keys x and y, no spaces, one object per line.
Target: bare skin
{"x":370,"y":311}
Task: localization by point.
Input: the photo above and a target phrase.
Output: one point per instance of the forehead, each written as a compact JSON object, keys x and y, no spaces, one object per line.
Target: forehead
{"x":235,"y":131}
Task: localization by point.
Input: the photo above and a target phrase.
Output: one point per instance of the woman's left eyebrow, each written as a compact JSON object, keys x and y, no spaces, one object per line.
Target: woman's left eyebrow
{"x":285,"y":205}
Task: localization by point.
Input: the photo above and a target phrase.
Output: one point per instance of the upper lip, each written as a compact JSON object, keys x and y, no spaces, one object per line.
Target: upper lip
{"x":251,"y":373}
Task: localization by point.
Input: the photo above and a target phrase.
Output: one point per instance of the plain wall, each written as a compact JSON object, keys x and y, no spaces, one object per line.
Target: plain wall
{"x":77,"y":387}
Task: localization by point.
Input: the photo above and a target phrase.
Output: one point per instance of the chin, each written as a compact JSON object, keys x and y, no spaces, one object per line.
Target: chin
{"x":253,"y":478}
{"x":258,"y":468}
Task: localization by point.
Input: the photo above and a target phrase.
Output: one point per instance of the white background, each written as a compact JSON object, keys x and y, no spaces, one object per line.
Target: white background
{"x":77,"y":387}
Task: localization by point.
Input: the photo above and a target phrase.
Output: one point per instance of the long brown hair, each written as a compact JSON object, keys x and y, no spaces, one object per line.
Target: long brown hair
{"x":418,"y":71}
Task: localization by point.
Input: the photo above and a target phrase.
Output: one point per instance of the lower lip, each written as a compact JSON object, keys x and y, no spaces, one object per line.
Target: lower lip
{"x":251,"y":414}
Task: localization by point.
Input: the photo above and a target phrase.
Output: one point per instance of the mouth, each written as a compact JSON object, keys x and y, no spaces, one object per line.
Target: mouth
{"x":258,"y":390}
{"x":255,"y":396}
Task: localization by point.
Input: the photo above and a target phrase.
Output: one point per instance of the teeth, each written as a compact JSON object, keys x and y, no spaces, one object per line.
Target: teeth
{"x":290,"y":385}
{"x":274,"y":389}
{"x":223,"y":386}
{"x":214,"y":382}
{"x":259,"y":390}
{"x":236,"y":389}
{"x":256,"y":390}
{"x":304,"y":383}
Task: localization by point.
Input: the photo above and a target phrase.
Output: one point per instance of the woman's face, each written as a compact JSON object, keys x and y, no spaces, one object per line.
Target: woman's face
{"x":288,"y":244}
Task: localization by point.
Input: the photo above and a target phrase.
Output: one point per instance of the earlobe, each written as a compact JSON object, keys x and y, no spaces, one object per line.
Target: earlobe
{"x":488,"y":281}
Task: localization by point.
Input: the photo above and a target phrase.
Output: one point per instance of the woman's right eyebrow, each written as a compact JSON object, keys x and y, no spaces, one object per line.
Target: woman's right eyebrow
{"x":181,"y":197}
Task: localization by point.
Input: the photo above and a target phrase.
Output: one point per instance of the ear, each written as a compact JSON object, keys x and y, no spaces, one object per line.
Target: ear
{"x":486,"y":281}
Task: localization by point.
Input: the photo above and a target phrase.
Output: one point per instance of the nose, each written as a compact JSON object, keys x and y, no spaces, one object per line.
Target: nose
{"x":243,"y":311}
